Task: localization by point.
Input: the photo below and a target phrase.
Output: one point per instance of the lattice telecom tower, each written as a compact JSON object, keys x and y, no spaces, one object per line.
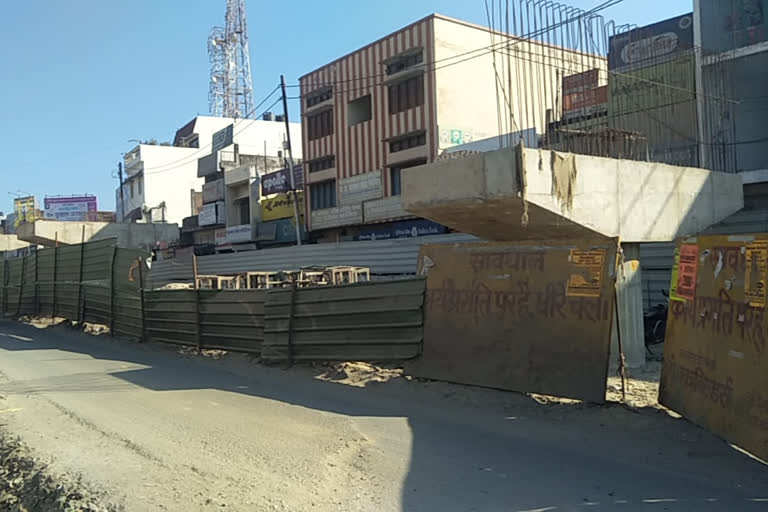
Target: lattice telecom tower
{"x":230,"y":93}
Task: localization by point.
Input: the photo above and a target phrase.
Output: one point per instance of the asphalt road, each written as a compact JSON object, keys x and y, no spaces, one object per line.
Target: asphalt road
{"x":157,"y":430}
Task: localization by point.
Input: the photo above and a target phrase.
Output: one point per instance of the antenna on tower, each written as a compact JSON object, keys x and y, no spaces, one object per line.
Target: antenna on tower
{"x":230,"y":93}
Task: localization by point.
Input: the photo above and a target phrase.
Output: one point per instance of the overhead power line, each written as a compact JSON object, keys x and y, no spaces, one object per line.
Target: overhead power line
{"x":188,"y":158}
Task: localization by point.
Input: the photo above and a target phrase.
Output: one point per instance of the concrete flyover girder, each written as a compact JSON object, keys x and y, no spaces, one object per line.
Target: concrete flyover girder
{"x":534,"y":194}
{"x":518,"y":194}
{"x":140,"y":236}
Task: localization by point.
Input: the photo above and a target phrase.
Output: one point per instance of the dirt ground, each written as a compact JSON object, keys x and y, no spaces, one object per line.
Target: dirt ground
{"x":218,"y":429}
{"x":26,"y":486}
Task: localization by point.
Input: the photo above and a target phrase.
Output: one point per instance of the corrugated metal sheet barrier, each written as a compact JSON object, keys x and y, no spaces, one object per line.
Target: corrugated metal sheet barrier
{"x":372,"y":321}
{"x":101,"y":283}
{"x":94,"y":282}
{"x":383,"y":257}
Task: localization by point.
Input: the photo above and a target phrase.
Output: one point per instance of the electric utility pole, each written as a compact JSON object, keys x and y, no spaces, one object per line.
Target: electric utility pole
{"x":290,"y":163}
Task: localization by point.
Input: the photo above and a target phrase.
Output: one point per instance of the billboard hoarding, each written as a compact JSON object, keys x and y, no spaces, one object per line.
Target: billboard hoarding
{"x":24,"y":209}
{"x":280,"y":181}
{"x":222,"y":138}
{"x":650,"y":44}
{"x":74,"y":208}
{"x":280,"y":206}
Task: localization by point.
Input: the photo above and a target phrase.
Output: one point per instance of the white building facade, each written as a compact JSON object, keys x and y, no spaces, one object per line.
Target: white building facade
{"x":160,"y":181}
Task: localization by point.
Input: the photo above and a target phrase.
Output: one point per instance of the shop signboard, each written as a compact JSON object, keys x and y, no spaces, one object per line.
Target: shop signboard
{"x":280,"y":181}
{"x":404,"y":229}
{"x":220,"y":237}
{"x":239,"y":234}
{"x":207,"y":215}
{"x":279,"y":206}
{"x":280,"y":231}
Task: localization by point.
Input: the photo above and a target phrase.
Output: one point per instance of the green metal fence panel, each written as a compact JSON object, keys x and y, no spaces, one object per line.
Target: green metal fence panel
{"x":28,"y":293}
{"x":13,"y":286}
{"x":232,"y":319}
{"x":3,"y":292}
{"x":171,"y":316}
{"x":96,"y":308}
{"x":372,"y":321}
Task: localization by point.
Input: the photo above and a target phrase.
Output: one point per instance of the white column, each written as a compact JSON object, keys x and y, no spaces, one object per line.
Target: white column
{"x":629,"y":299}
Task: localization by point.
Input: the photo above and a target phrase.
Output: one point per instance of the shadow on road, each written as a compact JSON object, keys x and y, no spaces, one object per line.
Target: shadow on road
{"x":513,"y":455}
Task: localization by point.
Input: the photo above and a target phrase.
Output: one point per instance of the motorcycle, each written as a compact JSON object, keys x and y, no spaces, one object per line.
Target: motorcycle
{"x":655,"y":323}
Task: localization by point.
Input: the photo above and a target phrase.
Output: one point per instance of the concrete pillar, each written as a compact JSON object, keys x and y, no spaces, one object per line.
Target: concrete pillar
{"x":629,"y":298}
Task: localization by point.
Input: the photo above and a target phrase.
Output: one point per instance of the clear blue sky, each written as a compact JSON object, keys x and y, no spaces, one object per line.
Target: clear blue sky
{"x":81,"y":77}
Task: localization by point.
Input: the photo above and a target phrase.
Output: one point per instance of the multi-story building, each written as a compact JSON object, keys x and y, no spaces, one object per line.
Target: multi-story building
{"x":733,"y":71}
{"x":159,"y":178}
{"x":401,"y":100}
{"x":240,"y":154}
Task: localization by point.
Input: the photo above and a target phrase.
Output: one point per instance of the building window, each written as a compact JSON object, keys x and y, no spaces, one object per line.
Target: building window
{"x":322,"y":195}
{"x":317,"y":97}
{"x":394,"y":177}
{"x":320,"y":125}
{"x":404,"y":62}
{"x":131,"y":189}
{"x":359,"y":110}
{"x":322,"y":164}
{"x":139,"y":184}
{"x":408,"y":142}
{"x":395,"y":172}
{"x":406,"y":94}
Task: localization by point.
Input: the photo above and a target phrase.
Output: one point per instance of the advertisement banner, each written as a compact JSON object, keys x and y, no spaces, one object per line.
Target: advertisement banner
{"x":280,"y":206}
{"x":405,"y":229}
{"x":24,"y":209}
{"x":73,"y":208}
{"x":650,"y":45}
{"x":280,"y":181}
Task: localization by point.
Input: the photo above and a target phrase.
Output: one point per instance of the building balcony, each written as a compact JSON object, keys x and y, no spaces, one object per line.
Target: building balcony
{"x":238,"y":175}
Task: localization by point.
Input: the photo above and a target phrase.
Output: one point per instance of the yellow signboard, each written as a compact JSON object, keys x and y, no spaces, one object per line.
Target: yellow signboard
{"x":24,"y":208}
{"x":280,"y":206}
